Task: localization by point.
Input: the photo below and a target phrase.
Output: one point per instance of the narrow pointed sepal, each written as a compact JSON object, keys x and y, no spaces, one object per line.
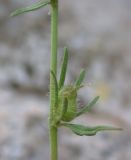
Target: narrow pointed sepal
{"x":33,"y":7}
{"x":88,"y":131}
{"x":63,"y":68}
{"x":88,"y":107}
{"x":80,"y":78}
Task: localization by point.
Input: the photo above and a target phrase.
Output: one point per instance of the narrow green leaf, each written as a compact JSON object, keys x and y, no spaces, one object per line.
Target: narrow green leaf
{"x":63,"y":68}
{"x":88,"y":107}
{"x":33,"y":7}
{"x":55,"y":92}
{"x":80,"y":78}
{"x":89,"y":131}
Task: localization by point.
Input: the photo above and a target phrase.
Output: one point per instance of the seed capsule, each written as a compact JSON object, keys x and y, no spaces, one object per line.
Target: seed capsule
{"x":70,"y":93}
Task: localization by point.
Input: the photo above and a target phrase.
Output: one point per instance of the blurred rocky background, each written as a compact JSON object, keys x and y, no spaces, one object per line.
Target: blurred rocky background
{"x":98,"y":35}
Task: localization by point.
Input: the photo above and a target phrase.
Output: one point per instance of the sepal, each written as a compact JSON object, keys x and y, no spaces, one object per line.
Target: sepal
{"x":80,"y":78}
{"x":88,"y":107}
{"x":63,"y":68}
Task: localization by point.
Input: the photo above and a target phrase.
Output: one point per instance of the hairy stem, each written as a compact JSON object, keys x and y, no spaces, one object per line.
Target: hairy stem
{"x":53,"y":67}
{"x":53,"y":143}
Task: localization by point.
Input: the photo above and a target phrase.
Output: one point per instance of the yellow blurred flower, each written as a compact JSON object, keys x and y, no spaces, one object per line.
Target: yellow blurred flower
{"x":103,"y":90}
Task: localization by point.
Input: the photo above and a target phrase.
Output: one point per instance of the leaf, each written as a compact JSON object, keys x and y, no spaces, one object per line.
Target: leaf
{"x":63,"y":68}
{"x":89,"y":131}
{"x":88,"y":107}
{"x":80,"y":78}
{"x":55,"y":92}
{"x":33,"y":7}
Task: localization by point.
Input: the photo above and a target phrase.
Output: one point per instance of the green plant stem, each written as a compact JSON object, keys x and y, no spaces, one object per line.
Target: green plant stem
{"x":54,"y":35}
{"x":53,"y":67}
{"x":53,"y":143}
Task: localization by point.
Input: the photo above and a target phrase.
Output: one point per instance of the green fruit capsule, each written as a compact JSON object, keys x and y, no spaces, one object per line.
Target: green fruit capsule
{"x":68,"y":92}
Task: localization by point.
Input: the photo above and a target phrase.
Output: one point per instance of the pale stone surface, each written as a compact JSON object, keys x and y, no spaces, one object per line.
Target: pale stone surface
{"x":98,"y":35}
